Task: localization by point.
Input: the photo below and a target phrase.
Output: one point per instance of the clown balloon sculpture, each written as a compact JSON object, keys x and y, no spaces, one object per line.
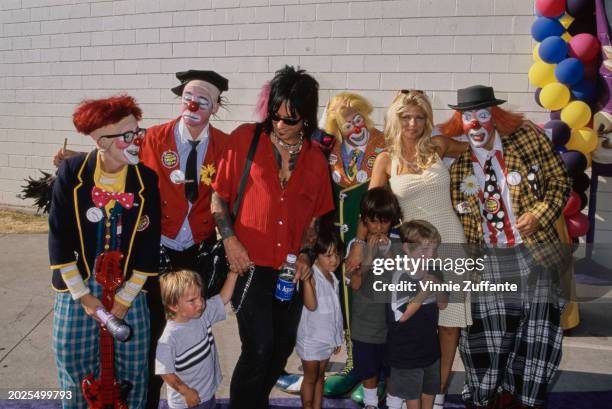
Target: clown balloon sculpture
{"x":509,"y":189}
{"x":103,"y":227}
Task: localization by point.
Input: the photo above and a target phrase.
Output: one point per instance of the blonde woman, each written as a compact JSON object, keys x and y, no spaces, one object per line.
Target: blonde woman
{"x":412,"y":167}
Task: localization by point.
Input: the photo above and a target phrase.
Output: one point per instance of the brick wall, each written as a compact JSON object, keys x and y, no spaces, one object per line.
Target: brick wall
{"x":55,"y":52}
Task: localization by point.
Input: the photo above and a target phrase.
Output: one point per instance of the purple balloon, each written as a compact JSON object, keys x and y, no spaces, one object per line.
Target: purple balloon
{"x":583,"y":200}
{"x":545,"y":27}
{"x":584,"y":90}
{"x":553,"y":50}
{"x":555,"y":114}
{"x":536,"y":96}
{"x":575,"y":162}
{"x":569,"y":71}
{"x":584,"y":24}
{"x":577,"y":8}
{"x":559,"y":131}
{"x":580,"y":182}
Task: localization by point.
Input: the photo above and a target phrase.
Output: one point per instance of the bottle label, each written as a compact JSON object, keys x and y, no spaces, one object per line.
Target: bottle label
{"x":284,"y":287}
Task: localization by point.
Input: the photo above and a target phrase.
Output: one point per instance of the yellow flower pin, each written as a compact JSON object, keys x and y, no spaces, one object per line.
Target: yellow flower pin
{"x":206,"y":173}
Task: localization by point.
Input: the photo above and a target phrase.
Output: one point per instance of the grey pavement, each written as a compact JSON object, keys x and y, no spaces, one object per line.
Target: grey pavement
{"x":26,"y":313}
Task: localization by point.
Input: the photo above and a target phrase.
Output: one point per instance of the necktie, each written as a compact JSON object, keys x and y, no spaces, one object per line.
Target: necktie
{"x":352,"y":166}
{"x":191,"y":173}
{"x":493,"y":210}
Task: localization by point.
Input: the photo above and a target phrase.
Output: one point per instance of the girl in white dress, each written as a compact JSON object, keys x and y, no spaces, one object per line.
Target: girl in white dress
{"x":320,"y":333}
{"x":411,"y":165}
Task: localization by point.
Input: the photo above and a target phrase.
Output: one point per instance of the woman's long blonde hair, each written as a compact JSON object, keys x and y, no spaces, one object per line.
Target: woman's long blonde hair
{"x":425,"y":149}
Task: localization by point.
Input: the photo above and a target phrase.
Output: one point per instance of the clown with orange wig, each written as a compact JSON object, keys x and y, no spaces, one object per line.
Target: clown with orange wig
{"x":508,"y":190}
{"x":103,"y":202}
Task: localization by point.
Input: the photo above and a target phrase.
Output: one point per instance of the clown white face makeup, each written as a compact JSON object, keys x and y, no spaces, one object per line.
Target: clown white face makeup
{"x":354,"y":131}
{"x":116,"y":152}
{"x":198,"y":103}
{"x":478,"y":126}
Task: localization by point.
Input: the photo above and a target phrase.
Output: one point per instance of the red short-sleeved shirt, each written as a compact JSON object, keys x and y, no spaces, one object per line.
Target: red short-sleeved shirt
{"x":271,"y":221}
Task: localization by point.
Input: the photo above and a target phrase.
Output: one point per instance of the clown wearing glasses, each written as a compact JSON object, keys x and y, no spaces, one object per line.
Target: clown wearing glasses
{"x":103,"y":202}
{"x":184,"y":153}
{"x":509,"y":190}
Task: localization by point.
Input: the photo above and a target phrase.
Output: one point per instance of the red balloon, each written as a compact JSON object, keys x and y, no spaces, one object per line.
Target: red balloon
{"x":573,"y":205}
{"x":550,"y":8}
{"x":584,"y":46}
{"x":577,"y":225}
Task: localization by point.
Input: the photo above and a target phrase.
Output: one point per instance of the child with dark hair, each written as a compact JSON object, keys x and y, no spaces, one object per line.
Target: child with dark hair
{"x":320,"y":330}
{"x":379,"y":212}
{"x":412,"y":340}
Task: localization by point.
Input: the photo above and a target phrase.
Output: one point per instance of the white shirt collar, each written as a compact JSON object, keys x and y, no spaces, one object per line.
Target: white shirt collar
{"x":482,"y":154}
{"x":185,"y":136}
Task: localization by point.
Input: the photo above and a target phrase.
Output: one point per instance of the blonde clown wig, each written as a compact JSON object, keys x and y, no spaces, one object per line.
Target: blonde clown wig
{"x":343,"y":104}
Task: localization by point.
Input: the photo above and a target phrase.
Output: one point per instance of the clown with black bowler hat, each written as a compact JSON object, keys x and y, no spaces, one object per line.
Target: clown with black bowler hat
{"x":184,"y":153}
{"x":509,"y":190}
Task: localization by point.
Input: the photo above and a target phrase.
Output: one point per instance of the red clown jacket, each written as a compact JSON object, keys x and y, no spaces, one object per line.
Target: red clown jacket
{"x":159,"y":153}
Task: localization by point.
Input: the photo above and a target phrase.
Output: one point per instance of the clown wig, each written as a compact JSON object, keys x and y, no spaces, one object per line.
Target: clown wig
{"x":425,"y":149}
{"x":93,"y":114}
{"x":342,"y":105}
{"x":505,"y":122}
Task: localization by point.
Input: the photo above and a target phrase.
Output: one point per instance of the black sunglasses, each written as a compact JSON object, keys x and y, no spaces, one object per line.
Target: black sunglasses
{"x":129,"y":136}
{"x":287,"y":121}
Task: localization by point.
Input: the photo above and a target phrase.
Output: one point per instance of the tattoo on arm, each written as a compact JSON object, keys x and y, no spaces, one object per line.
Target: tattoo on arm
{"x":221,"y":214}
{"x":310,"y":235}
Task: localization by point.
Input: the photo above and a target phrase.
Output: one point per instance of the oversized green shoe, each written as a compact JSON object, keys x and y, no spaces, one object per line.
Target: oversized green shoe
{"x":339,"y":384}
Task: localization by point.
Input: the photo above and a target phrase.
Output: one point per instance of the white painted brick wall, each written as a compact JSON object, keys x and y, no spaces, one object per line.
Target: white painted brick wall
{"x":53,"y":53}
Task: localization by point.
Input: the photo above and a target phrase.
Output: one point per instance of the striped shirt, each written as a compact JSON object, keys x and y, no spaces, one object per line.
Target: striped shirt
{"x":188,"y":350}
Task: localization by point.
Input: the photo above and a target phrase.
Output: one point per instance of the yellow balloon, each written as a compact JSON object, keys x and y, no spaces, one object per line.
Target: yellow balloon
{"x":583,"y":140}
{"x":541,"y":74}
{"x":576,"y":114}
{"x":554,"y":96}
{"x":566,"y":20}
{"x":536,"y":53}
{"x":567,"y":37}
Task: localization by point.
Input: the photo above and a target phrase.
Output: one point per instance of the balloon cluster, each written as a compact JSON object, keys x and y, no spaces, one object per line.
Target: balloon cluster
{"x":564,"y":72}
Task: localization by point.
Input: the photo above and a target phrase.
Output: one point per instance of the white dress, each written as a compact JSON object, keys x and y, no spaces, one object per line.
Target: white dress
{"x":320,"y":331}
{"x":426,"y":196}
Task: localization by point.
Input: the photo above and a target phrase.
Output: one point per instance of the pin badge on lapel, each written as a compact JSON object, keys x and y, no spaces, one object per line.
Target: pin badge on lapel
{"x":362,"y":176}
{"x":514,"y":178}
{"x":463,"y":208}
{"x":94,"y":214}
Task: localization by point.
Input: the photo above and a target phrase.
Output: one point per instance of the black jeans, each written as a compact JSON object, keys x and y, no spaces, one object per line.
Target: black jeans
{"x":267,"y":328}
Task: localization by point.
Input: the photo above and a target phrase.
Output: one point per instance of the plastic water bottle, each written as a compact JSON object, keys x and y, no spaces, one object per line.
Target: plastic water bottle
{"x":284,"y":284}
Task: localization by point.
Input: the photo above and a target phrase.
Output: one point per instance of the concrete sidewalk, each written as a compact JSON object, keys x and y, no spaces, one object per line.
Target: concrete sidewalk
{"x":26,"y":359}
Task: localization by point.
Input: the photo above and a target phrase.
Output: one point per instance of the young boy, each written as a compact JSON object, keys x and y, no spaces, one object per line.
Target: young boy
{"x":379,"y":211}
{"x":186,"y":356}
{"x":412,"y":340}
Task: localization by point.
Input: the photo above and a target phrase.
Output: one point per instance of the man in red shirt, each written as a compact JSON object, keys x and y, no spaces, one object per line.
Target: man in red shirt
{"x":286,"y":193}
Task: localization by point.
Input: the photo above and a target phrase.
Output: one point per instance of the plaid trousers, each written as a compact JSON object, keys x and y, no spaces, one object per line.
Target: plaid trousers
{"x":515,"y":341}
{"x":77,"y":348}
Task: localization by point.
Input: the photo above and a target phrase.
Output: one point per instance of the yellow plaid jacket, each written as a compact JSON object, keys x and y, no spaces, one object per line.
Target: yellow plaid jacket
{"x":528,"y":149}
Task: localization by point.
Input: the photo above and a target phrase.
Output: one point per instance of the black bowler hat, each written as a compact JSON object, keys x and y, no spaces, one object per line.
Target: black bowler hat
{"x":209,"y":76}
{"x":474,"y":97}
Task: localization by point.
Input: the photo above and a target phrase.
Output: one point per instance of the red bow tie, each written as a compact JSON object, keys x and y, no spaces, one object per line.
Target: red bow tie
{"x":101,"y":197}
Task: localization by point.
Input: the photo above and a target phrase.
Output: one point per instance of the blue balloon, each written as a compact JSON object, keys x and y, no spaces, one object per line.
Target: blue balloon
{"x":584,"y":90}
{"x":569,"y":71}
{"x":545,"y":27}
{"x":558,"y":131}
{"x":553,"y":50}
{"x":560,"y":149}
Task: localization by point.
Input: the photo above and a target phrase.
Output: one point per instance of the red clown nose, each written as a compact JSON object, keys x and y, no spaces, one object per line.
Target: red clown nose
{"x":474,"y":124}
{"x":193,"y":106}
{"x":137,"y":141}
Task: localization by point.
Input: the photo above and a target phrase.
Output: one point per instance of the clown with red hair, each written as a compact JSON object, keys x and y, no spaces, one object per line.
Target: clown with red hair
{"x":103,"y":202}
{"x":509,"y":189}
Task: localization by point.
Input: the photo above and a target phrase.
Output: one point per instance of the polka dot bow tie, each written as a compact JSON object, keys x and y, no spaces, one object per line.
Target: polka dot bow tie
{"x":101,"y":197}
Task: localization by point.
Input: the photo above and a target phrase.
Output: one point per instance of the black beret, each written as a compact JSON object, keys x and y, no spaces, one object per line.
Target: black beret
{"x":209,"y":76}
